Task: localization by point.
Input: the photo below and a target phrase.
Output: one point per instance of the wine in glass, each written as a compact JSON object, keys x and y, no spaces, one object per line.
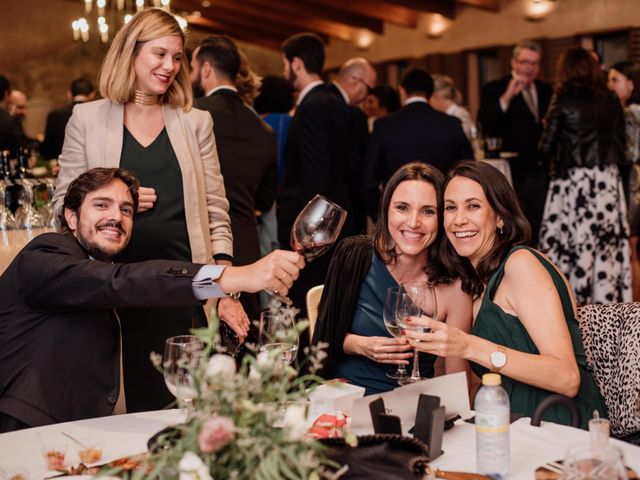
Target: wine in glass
{"x":416,"y":299}
{"x":181,"y":356}
{"x":277,"y":333}
{"x":390,"y":317}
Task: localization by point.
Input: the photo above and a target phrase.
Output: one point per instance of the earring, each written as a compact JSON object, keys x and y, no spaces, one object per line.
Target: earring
{"x":500,"y":231}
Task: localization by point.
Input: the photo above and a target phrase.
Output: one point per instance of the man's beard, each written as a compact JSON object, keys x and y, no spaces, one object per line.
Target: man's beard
{"x":196,"y":86}
{"x":94,"y":250}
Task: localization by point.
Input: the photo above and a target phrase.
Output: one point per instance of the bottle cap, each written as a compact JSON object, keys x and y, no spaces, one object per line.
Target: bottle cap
{"x":491,"y":379}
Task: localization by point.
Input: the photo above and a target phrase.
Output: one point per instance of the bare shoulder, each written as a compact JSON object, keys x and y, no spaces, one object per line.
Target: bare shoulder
{"x":525,"y":271}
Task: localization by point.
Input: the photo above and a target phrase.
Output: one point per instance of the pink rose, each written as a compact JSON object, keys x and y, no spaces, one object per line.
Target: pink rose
{"x":216,"y":433}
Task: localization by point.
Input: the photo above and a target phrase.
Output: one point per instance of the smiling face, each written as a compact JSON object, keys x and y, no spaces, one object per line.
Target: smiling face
{"x":620,"y":85}
{"x":469,"y":220}
{"x":157,"y":64}
{"x":413,"y":217}
{"x":104,"y":221}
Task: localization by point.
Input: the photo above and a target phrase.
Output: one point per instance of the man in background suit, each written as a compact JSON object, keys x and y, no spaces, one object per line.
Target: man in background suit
{"x":59,"y":335}
{"x":512,"y":108}
{"x":81,"y":91}
{"x":7,"y":130}
{"x":247,"y":149}
{"x":316,"y":154}
{"x":355,"y":79}
{"x":415,"y":132}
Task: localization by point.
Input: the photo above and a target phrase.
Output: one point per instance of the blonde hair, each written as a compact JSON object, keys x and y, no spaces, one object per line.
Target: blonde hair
{"x":247,"y":81}
{"x":117,"y":77}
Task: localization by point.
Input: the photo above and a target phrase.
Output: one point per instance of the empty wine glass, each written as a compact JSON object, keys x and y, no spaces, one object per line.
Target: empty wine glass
{"x":27,"y":216}
{"x":415,"y":300}
{"x":181,"y":356}
{"x":277,"y":332}
{"x":390,"y":317}
{"x":583,"y":463}
{"x":7,"y":221}
{"x":49,"y":219}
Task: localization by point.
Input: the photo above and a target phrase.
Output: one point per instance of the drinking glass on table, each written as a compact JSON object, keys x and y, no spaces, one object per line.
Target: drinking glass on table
{"x":315,"y":229}
{"x":276,"y":332}
{"x":181,"y":356}
{"x":583,"y":463}
{"x":493,"y":146}
{"x":415,"y":300}
{"x":390,"y":317}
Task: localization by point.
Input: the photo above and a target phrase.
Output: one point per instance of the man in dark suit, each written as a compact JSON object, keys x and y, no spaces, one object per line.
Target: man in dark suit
{"x":513,"y":108}
{"x":7,"y":128}
{"x":247,"y":150}
{"x":81,"y":91}
{"x":59,"y":335}
{"x":355,"y":79}
{"x":415,"y":132}
{"x":316,"y":153}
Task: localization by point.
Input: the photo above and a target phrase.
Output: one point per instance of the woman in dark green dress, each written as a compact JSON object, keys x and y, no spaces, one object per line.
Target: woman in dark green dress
{"x":525,"y":314}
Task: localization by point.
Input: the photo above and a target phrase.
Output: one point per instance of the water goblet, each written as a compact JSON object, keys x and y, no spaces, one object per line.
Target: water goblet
{"x":182,"y":354}
{"x":276,"y":332}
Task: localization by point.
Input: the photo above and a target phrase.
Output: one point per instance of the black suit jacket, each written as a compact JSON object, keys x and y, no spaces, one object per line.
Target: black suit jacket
{"x":517,"y":126}
{"x":54,"y":131}
{"x":416,"y":132}
{"x":7,"y":131}
{"x":59,"y":342}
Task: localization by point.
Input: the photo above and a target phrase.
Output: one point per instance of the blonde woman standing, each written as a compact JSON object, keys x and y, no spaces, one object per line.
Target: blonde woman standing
{"x":145,"y":123}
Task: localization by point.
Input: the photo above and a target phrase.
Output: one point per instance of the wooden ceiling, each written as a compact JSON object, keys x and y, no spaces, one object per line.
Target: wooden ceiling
{"x":269,"y":22}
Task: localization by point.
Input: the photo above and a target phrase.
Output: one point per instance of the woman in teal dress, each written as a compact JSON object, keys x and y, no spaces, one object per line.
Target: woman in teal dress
{"x":525,"y":324}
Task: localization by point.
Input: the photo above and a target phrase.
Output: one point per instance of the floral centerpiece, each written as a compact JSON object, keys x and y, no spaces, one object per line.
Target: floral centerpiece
{"x":247,"y":422}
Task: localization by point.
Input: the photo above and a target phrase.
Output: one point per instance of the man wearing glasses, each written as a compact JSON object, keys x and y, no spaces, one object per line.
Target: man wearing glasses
{"x":512,"y":108}
{"x":354,"y":81}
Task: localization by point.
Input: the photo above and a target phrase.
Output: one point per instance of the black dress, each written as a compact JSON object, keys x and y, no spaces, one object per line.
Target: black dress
{"x":159,"y":233}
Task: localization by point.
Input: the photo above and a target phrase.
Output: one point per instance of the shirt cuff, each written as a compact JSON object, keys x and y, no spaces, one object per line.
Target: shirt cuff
{"x":503,"y":106}
{"x":204,"y":285}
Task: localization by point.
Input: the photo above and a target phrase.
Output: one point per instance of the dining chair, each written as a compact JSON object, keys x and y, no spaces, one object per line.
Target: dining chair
{"x":611,"y":338}
{"x":312,"y":301}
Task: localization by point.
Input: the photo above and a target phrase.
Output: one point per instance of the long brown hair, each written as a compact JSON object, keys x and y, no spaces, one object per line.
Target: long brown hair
{"x":515,"y":231}
{"x":577,"y":73}
{"x":117,"y":77}
{"x":382,"y":240}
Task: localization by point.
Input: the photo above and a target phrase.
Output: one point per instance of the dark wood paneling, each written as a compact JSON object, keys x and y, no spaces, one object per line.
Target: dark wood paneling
{"x":634,"y":45}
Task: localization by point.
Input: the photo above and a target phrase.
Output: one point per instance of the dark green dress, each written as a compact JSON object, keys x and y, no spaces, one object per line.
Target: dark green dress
{"x":160,"y":232}
{"x":493,"y":324}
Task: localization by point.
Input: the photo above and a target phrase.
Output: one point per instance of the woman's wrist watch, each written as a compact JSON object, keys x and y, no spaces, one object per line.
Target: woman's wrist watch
{"x":498,"y":358}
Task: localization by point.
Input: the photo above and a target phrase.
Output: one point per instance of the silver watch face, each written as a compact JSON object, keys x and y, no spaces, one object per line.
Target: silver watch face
{"x":498,"y":359}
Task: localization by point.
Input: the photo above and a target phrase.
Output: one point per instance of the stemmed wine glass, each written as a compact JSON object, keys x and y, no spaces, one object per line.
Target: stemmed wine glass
{"x":390,"y":317}
{"x":181,"y":356}
{"x":315,"y":229}
{"x":26,"y":215}
{"x":415,"y":300}
{"x":277,"y":332}
{"x":7,"y":221}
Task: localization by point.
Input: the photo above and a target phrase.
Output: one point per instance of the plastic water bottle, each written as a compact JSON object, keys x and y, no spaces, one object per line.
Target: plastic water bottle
{"x":492,"y":428}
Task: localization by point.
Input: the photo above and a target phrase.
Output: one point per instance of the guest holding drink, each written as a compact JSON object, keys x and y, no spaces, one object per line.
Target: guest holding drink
{"x":145,"y":123}
{"x":401,"y":251}
{"x":525,"y":324}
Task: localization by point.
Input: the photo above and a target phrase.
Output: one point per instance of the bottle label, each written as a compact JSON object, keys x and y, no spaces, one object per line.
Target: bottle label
{"x":492,"y":422}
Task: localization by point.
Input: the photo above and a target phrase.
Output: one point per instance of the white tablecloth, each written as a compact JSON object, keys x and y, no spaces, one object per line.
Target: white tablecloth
{"x":128,"y":435}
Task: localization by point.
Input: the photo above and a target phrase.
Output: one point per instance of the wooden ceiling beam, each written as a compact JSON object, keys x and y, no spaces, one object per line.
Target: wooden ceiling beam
{"x":493,"y":5}
{"x":378,"y":9}
{"x":446,"y":8}
{"x":213,"y":27}
{"x":297,"y":10}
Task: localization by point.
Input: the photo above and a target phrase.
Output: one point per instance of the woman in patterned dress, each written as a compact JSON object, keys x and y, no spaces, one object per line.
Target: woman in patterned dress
{"x":584,"y":228}
{"x":624,"y":81}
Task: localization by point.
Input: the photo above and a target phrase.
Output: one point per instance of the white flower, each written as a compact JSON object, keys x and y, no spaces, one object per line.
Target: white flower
{"x":221,"y":365}
{"x":295,"y":421}
{"x":193,"y":468}
{"x":264,"y":362}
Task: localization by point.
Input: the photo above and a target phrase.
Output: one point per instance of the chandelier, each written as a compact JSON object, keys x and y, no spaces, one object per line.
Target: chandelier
{"x":103,"y":16}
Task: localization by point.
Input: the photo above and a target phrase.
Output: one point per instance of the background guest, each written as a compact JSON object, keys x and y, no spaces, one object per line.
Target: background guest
{"x":7,"y":140}
{"x":512,"y":108}
{"x":146,"y":124}
{"x":416,"y":132}
{"x":247,"y":150}
{"x":525,"y":324}
{"x":380,"y":102}
{"x":403,"y":249}
{"x":624,"y":81}
{"x":584,"y":228}
{"x":81,"y":90}
{"x":447,"y":98}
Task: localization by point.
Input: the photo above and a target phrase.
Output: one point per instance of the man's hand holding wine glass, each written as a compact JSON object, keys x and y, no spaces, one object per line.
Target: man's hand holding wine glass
{"x":276,"y":271}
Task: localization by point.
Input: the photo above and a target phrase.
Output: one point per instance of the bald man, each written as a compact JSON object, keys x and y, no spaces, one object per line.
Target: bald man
{"x":355,"y":79}
{"x":17,"y":105}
